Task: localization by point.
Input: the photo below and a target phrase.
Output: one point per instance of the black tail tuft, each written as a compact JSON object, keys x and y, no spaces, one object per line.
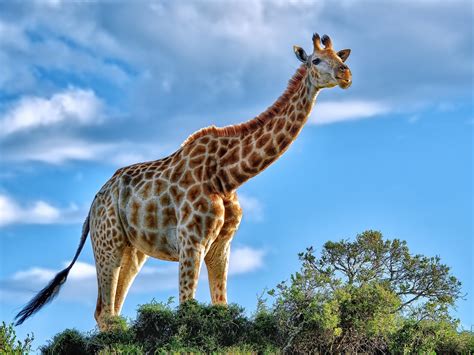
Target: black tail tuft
{"x":44,"y":296}
{"x":52,"y":289}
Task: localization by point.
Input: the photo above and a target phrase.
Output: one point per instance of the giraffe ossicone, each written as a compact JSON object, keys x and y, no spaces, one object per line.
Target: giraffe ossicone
{"x":184,"y":207}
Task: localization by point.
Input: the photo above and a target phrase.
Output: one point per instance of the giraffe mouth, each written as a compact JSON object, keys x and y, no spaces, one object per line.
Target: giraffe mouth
{"x":344,"y":83}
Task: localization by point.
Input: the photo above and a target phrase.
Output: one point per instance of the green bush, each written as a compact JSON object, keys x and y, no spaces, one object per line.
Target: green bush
{"x":118,"y":336}
{"x":432,"y":336}
{"x":191,"y":326}
{"x":158,"y":328}
{"x":128,"y":349}
{"x":264,"y":333}
{"x":68,"y":342}
{"x":155,"y":325}
{"x":210,"y":327}
{"x":9,"y":344}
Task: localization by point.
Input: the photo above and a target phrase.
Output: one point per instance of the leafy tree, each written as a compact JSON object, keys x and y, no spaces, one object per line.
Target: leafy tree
{"x":421,"y":282}
{"x":355,"y":295}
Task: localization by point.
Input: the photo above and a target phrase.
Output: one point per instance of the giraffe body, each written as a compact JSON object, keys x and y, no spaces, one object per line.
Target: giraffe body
{"x":163,"y":210}
{"x":184,"y":207}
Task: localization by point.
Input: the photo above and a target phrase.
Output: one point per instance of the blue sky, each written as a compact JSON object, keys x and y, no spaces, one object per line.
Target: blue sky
{"x":88,"y":88}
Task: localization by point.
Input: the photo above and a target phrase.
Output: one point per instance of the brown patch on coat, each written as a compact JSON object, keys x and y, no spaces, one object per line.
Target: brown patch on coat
{"x":135,"y":209}
{"x":176,"y":194}
{"x":165,"y":200}
{"x":187,"y":179}
{"x":195,"y":162}
{"x":238,"y":175}
{"x":145,"y":190}
{"x":186,"y":212}
{"x":231,"y":157}
{"x":169,"y":217}
{"x":194,"y":192}
{"x":151,"y":215}
{"x":158,"y":187}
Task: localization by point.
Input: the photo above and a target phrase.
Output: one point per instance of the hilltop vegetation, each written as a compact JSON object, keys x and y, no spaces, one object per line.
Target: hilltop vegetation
{"x":370,"y":295}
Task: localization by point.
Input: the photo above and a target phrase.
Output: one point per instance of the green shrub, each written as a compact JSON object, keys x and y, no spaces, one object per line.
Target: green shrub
{"x":211,"y":326}
{"x":68,"y":342}
{"x":264,"y":334}
{"x":116,"y":337}
{"x":128,"y":349}
{"x":432,"y":336}
{"x":155,"y":325}
{"x":9,"y":343}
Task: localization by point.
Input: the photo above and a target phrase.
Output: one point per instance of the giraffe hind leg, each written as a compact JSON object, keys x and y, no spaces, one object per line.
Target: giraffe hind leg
{"x":132,"y":263}
{"x":107,"y":278}
{"x":108,"y":246}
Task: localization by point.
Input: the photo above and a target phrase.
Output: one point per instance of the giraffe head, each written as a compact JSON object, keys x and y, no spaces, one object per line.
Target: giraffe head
{"x":326,"y":66}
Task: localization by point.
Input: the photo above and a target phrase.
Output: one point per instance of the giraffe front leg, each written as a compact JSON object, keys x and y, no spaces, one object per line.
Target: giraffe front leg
{"x":217,"y":258}
{"x":196,"y":233}
{"x":190,"y":260}
{"x":217,"y":262}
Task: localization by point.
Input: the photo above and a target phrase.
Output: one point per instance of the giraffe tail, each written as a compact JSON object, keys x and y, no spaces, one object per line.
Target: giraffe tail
{"x":47,"y":294}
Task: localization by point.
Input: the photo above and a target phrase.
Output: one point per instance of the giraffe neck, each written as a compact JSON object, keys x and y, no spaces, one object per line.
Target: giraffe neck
{"x":262,"y":140}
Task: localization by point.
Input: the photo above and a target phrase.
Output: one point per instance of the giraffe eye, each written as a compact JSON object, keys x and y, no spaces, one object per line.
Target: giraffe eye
{"x":316,"y":61}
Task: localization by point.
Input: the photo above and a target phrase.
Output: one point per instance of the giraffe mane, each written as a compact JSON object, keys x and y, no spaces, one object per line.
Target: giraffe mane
{"x":234,"y":130}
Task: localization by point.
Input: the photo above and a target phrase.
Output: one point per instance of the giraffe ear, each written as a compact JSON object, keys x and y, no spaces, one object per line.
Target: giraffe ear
{"x":344,"y":54}
{"x":300,"y":54}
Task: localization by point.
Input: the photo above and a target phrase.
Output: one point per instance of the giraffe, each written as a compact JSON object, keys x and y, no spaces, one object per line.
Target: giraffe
{"x":184,"y":207}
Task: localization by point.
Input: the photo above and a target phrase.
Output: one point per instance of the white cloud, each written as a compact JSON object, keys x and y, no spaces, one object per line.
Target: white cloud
{"x":81,"y":271}
{"x":245,"y":259}
{"x":72,"y":105}
{"x":332,"y":112}
{"x":37,"y":212}
{"x":36,"y":273}
{"x":71,"y":108}
{"x":252,"y":207}
{"x":59,"y":150}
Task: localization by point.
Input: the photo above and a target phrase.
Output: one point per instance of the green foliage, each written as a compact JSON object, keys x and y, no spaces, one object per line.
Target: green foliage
{"x":115,"y":349}
{"x":357,"y":297}
{"x":191,"y":326}
{"x":158,"y":328}
{"x":432,"y":336}
{"x":119,"y":336}
{"x":370,"y":295}
{"x":211,"y":327}
{"x":9,"y":344}
{"x":264,"y":332}
{"x":155,"y":324}
{"x":70,"y":341}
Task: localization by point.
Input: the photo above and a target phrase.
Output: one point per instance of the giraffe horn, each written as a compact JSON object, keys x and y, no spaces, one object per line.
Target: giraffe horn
{"x":327,"y":41}
{"x":316,"y":42}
